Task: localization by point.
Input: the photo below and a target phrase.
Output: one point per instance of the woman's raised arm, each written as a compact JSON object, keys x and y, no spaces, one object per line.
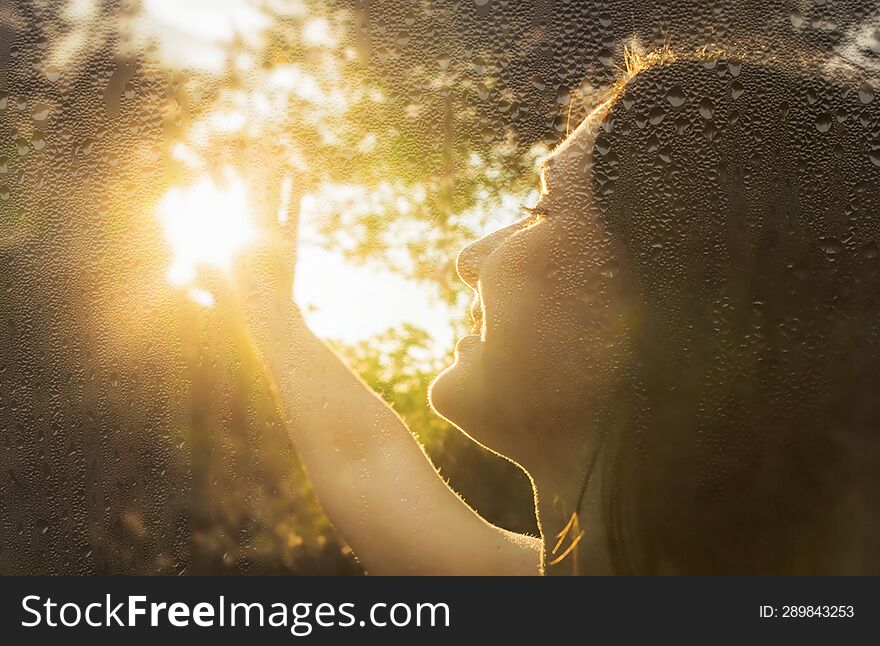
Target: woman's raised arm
{"x":374,"y":480}
{"x":370,"y":475}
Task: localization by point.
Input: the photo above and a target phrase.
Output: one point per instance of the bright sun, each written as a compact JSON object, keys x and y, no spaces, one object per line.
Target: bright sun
{"x":205,"y":223}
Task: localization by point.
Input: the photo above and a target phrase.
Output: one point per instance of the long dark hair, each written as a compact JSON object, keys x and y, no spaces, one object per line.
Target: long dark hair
{"x":746,"y":197}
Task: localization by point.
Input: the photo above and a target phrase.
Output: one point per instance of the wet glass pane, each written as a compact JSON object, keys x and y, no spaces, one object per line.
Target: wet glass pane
{"x":708,"y":274}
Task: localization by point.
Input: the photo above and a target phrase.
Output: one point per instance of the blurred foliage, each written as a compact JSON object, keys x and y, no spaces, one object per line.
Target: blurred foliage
{"x":135,"y":435}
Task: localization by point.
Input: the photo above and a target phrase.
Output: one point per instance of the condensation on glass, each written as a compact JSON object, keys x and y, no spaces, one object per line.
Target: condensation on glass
{"x":130,"y":439}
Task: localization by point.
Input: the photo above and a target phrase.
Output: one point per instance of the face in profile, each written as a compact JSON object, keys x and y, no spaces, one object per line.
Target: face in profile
{"x":693,"y":300}
{"x":550,"y":318}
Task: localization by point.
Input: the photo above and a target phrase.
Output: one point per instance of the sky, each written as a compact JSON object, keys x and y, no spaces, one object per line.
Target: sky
{"x":349,"y":302}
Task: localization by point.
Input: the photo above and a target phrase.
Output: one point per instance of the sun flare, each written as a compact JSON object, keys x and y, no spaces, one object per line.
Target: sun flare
{"x":206,"y":224}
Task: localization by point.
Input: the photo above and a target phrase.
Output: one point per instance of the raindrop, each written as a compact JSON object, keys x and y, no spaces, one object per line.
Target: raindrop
{"x":657,"y":115}
{"x":707,"y":108}
{"x":736,"y":89}
{"x":563,"y":96}
{"x":38,"y":140}
{"x":610,"y":269}
{"x":710,"y":131}
{"x":866,"y":93}
{"x":40,"y":112}
{"x":682,"y":125}
{"x":675,"y":96}
{"x":823,"y":122}
{"x":832,"y":247}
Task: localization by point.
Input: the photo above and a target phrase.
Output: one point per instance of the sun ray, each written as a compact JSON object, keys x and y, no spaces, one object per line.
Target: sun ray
{"x":205,"y":224}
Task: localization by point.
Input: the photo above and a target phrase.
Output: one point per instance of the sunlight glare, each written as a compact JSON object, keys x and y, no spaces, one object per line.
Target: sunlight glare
{"x":205,"y":224}
{"x":197,"y":33}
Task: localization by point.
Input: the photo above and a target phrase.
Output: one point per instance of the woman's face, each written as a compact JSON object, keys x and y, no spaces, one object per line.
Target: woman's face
{"x":550,"y":319}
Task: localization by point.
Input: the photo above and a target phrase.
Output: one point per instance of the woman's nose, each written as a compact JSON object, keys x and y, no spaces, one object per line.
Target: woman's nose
{"x":472,"y":257}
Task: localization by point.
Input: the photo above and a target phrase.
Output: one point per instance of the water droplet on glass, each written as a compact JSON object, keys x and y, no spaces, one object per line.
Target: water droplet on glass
{"x":707,"y":108}
{"x":40,"y":112}
{"x":736,"y":89}
{"x":657,"y":115}
{"x":675,"y":96}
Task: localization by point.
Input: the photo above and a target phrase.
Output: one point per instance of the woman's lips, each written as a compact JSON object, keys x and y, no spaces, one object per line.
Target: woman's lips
{"x":475,"y":337}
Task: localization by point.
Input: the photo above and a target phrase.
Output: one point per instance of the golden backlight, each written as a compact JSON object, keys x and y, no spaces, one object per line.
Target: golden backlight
{"x":206,"y":224}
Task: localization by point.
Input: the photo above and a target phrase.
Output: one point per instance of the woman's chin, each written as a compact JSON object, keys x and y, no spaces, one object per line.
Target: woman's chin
{"x":454,"y":391}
